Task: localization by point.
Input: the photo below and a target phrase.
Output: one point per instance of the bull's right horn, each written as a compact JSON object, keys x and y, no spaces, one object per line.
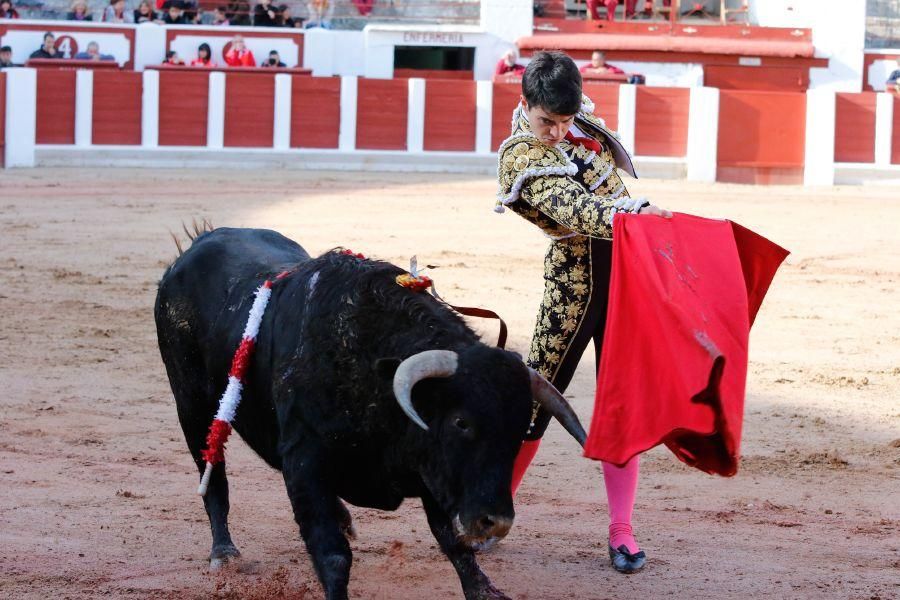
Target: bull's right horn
{"x":557,"y":405}
{"x":430,"y":363}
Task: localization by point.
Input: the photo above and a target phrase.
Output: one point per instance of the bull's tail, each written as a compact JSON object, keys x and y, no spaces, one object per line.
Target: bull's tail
{"x":193,"y":232}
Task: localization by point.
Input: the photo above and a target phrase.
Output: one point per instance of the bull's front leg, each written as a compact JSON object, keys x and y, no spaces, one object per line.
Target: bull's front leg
{"x":475,"y":584}
{"x":316,"y":510}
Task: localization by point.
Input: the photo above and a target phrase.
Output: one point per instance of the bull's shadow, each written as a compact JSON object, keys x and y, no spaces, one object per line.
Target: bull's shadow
{"x":358,"y":389}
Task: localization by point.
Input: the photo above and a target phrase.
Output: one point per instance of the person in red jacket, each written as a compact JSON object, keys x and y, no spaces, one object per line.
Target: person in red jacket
{"x":239,"y":55}
{"x":508,"y":64}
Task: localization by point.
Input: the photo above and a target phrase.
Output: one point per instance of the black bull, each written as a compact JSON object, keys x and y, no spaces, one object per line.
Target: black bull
{"x":329,"y":397}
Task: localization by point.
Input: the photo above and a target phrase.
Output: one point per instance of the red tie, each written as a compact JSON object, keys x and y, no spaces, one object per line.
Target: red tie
{"x":589,"y":143}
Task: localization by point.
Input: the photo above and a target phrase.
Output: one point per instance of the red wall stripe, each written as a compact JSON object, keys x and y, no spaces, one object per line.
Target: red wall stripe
{"x":606,"y":102}
{"x":450,"y":115}
{"x":183,"y":107}
{"x":854,"y":128}
{"x":55,"y":106}
{"x":505,"y":98}
{"x":2,"y":119}
{"x":661,"y":121}
{"x":381,"y":114}
{"x":773,"y":79}
{"x":117,"y":107}
{"x":762,"y":136}
{"x":895,"y":134}
{"x":249,"y":110}
{"x":315,"y":111}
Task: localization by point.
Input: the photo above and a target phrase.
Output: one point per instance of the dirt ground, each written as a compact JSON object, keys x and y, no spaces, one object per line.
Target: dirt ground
{"x":97,"y":490}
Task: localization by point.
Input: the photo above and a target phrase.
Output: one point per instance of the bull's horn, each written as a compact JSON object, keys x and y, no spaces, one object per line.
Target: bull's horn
{"x":556,"y":404}
{"x":430,"y":363}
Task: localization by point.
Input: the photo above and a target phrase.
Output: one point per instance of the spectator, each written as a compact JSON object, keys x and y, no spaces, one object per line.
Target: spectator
{"x":893,"y":81}
{"x":320,"y":13}
{"x":172,"y":58}
{"x":79,"y":12}
{"x":220,"y":16}
{"x":274,"y":60}
{"x":93,"y":53}
{"x":6,"y":58}
{"x":239,"y":55}
{"x":285,"y":19}
{"x":508,"y":64}
{"x":264,"y":15}
{"x":599,"y":66}
{"x":116,"y":13}
{"x":48,"y":50}
{"x":239,"y":12}
{"x":144,"y":13}
{"x":175,"y":14}
{"x":593,"y":9}
{"x":7,"y":11}
{"x":191,"y":11}
{"x":204,"y":57}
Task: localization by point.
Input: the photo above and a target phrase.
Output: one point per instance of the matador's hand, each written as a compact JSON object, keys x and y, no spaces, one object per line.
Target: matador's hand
{"x":650,"y":209}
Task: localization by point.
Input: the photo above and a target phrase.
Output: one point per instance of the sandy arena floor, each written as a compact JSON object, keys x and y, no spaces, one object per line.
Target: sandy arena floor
{"x":97,"y":490}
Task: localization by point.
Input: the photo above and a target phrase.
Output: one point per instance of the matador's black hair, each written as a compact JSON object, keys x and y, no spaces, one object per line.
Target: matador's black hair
{"x":552,"y":82}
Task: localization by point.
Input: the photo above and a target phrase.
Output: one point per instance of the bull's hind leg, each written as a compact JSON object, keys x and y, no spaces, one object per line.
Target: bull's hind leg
{"x":322,"y":517}
{"x":195,"y":424}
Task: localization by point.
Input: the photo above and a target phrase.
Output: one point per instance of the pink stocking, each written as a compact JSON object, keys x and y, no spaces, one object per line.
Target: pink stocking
{"x":523,"y":459}
{"x":621,"y":487}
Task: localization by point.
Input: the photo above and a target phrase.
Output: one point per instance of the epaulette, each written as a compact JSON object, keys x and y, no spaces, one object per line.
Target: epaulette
{"x":521,"y":157}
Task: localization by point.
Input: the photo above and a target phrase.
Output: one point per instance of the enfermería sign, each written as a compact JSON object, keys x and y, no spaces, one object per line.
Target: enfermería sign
{"x":432,"y":37}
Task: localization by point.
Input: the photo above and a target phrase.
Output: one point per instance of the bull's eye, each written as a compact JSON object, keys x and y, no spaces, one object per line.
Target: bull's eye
{"x":461,"y":424}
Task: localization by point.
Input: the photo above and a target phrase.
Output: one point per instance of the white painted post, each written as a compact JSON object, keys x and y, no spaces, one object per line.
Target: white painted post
{"x":150,"y":109}
{"x":281,"y":133}
{"x":884,"y":128}
{"x":627,"y":114}
{"x":818,"y":166}
{"x":84,"y":107}
{"x":215,"y":121}
{"x":484,"y":116}
{"x":21,"y":121}
{"x":703,"y":134}
{"x":415,"y":116}
{"x":347,"y":135}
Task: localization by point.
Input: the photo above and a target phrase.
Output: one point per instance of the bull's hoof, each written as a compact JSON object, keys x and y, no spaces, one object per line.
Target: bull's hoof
{"x":487,"y":592}
{"x":222,"y":555}
{"x":486,"y":546}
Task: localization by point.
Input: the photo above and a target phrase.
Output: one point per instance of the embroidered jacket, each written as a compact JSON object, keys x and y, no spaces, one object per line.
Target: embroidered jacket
{"x":566,"y":190}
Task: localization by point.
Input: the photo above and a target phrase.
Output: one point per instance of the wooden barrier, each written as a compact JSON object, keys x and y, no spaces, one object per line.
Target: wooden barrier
{"x":315,"y":112}
{"x":450,"y":115}
{"x":249,"y":110}
{"x":117,"y":107}
{"x":761,"y":137}
{"x":895,"y":133}
{"x":606,"y":102}
{"x":183,"y":108}
{"x":854,"y":128}
{"x":381,"y":114}
{"x":2,"y":119}
{"x":505,"y":99}
{"x":55,"y":107}
{"x":661,"y":122}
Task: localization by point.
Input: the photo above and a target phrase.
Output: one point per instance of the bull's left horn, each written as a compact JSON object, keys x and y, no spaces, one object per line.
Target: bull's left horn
{"x":430,"y":363}
{"x":556,"y":404}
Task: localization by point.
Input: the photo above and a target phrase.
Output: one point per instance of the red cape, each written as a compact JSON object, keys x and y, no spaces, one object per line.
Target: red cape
{"x":683,"y":294}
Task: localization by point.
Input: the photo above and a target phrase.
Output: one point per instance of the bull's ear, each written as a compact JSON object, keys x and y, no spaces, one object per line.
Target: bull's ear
{"x":386,"y":367}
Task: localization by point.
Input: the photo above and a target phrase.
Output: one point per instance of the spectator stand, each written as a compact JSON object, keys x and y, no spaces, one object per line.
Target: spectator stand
{"x":185,"y":40}
{"x":24,"y":37}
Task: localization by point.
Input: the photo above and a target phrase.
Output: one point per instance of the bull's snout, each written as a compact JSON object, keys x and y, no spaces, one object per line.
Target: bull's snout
{"x":489,"y":526}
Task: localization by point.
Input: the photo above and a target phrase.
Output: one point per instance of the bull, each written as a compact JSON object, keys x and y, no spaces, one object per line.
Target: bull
{"x":359,"y":391}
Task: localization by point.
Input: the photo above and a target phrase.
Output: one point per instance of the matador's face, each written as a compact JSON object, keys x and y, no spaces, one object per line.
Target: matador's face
{"x":548,"y":127}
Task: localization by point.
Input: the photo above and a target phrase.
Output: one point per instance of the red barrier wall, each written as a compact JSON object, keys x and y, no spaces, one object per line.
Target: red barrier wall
{"x":606,"y":102}
{"x":183,"y":107}
{"x":249,"y":110}
{"x":381,"y":114}
{"x":55,"y":107}
{"x":505,"y":99}
{"x":450,"y":115}
{"x":854,"y":128}
{"x":117,"y":107}
{"x":315,"y":111}
{"x":661,"y":121}
{"x":772,"y":79}
{"x":2,"y":119}
{"x":768,"y":146}
{"x":895,"y":134}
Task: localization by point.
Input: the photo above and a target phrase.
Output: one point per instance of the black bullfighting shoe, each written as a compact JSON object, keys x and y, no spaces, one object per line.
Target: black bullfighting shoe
{"x":625,"y":562}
